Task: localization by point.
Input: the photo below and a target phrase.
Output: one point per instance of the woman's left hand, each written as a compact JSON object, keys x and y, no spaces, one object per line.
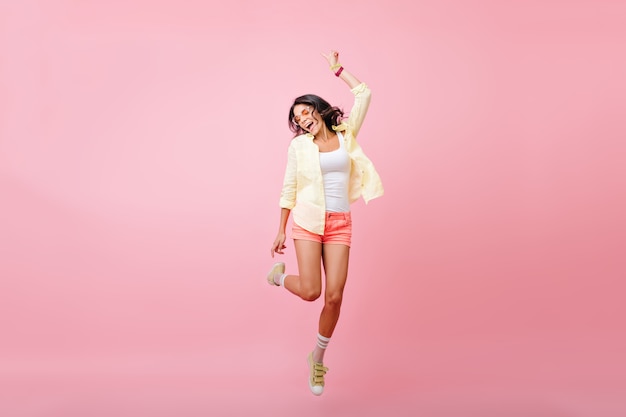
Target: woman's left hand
{"x":332,"y":57}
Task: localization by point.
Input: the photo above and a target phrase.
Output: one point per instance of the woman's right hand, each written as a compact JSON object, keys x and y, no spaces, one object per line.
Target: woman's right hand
{"x":279,"y":244}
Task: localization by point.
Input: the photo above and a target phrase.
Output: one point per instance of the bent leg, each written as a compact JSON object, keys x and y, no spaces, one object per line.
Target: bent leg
{"x":307,"y":285}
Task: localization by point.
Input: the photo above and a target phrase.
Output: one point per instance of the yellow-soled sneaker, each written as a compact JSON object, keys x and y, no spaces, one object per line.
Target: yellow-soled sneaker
{"x":316,"y":375}
{"x":278,"y":268}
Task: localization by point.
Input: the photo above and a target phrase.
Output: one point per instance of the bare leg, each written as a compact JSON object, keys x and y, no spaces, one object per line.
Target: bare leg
{"x":307,"y":285}
{"x":335,"y":257}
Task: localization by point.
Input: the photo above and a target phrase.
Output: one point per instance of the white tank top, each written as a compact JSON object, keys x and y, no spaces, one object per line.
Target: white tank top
{"x":335,"y":167}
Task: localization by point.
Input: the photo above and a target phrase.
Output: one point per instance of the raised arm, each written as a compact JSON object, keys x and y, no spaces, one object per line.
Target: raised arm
{"x":336,"y":67}
{"x":362,"y":93}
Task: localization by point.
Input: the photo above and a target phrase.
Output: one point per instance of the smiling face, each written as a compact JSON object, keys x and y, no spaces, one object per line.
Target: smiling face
{"x":307,"y":118}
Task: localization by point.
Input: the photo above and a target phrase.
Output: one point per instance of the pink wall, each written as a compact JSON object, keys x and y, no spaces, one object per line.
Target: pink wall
{"x":142,"y":147}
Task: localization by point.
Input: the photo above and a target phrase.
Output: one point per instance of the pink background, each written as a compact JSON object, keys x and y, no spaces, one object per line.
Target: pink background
{"x":142,"y":148}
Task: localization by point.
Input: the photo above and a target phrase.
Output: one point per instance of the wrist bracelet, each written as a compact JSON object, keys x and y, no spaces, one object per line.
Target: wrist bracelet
{"x":335,"y":66}
{"x":338,"y":73}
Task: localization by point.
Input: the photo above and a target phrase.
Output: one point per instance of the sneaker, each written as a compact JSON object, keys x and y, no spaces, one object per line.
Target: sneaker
{"x":316,"y":375}
{"x":278,"y":268}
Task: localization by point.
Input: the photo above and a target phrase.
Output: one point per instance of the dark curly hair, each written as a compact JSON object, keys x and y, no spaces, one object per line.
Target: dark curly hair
{"x":331,"y":115}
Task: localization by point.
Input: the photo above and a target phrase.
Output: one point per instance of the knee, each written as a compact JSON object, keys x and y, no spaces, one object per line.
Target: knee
{"x":310,"y":294}
{"x":333,"y":300}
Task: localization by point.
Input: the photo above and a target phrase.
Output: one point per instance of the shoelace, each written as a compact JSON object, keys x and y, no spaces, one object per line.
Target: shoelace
{"x":319,"y":371}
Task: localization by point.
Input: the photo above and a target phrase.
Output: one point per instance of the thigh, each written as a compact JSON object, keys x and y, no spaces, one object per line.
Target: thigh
{"x":309,"y":255}
{"x":336,"y":257}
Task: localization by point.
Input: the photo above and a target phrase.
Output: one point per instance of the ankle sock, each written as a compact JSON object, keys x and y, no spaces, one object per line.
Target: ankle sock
{"x":281,"y":280}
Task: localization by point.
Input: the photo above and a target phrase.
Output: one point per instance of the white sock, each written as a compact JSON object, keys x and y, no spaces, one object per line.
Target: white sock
{"x":320,"y":348}
{"x":281,"y":280}
{"x":322,"y":341}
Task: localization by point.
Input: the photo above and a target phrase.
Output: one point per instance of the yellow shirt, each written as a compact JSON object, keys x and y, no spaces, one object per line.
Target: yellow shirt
{"x":303,"y":188}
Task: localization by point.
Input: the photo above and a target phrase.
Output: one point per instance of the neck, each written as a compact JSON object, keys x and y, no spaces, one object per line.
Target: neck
{"x":324,"y":135}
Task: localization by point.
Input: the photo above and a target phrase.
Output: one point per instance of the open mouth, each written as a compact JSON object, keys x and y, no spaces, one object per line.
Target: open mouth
{"x":308,"y":125}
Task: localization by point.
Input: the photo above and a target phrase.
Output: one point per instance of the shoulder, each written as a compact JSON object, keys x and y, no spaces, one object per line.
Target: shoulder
{"x":301,"y":140}
{"x":342,"y":126}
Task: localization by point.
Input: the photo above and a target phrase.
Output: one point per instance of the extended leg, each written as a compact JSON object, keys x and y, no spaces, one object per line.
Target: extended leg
{"x":335,"y":258}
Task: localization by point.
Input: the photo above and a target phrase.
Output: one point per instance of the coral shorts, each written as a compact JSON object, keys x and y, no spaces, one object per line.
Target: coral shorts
{"x":338,"y":230}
